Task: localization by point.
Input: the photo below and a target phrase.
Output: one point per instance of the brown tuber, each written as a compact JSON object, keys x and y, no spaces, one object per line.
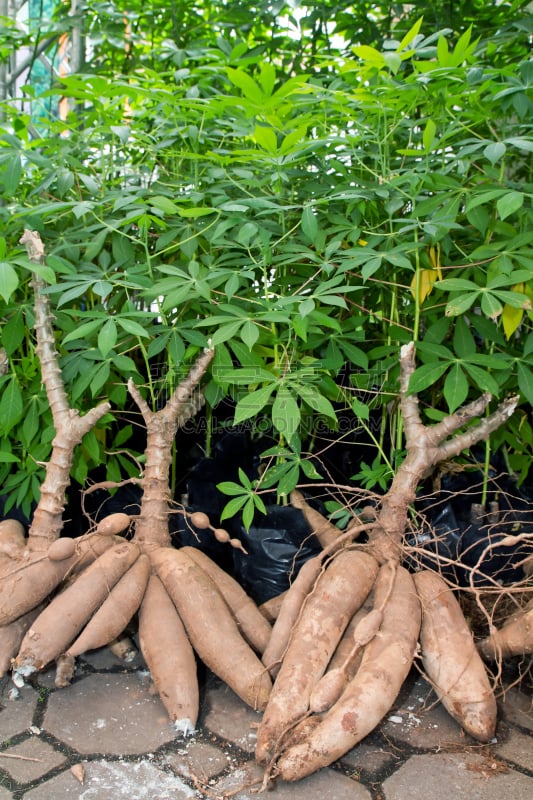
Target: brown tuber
{"x":200,"y":520}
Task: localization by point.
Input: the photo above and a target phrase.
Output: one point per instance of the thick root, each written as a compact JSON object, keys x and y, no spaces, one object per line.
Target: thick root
{"x":451,"y":661}
{"x":169,"y":655}
{"x":338,"y":593}
{"x":116,"y":611}
{"x":211,"y":628}
{"x":386,"y":662}
{"x":57,"y":626}
{"x":253,"y":625}
{"x":515,"y":637}
{"x":11,"y":636}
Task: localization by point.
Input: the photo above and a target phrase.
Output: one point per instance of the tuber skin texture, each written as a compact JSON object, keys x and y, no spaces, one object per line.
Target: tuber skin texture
{"x":61,"y":549}
{"x":338,"y":593}
{"x":169,"y":656}
{"x":12,"y":538}
{"x":116,"y":611}
{"x":386,"y":662}
{"x":514,"y":638}
{"x":451,"y":661}
{"x":11,"y":636}
{"x":113,"y":524}
{"x":62,"y":619}
{"x":211,"y":628}
{"x":252,"y":624}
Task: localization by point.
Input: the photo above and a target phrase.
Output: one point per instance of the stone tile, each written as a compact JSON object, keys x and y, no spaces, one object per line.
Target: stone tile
{"x":198,"y":758}
{"x":420,"y":721}
{"x":517,"y":748}
{"x":517,"y":708}
{"x":323,"y":784}
{"x":37,"y":758}
{"x":16,"y":715}
{"x":368,"y":758}
{"x":112,"y":713}
{"x":453,"y":776}
{"x":229,"y":717}
{"x":118,"y":780}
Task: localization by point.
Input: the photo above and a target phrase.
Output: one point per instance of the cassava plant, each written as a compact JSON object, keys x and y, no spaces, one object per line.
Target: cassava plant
{"x":354,"y":608}
{"x":103,"y":580}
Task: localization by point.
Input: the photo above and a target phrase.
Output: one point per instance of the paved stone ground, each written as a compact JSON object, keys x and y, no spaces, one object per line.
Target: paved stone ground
{"x":112,"y":731}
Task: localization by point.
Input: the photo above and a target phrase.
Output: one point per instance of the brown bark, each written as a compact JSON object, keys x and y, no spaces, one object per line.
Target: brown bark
{"x":69,"y":425}
{"x":151,"y":528}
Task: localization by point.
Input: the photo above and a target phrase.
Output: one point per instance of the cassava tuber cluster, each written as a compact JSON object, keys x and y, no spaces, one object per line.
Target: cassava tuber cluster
{"x":325,"y":662}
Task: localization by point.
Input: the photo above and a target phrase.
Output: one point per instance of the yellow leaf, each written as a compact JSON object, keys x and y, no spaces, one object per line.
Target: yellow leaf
{"x":434,"y":258}
{"x":511,"y":318}
{"x":422,"y":283}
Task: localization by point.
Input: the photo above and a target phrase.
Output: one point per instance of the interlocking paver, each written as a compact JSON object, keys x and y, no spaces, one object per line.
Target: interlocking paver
{"x":370,"y":758}
{"x":113,"y":714}
{"x":115,"y":780}
{"x":230,"y":718}
{"x":323,"y":784}
{"x":517,"y":707}
{"x":421,"y":721}
{"x":30,"y":759}
{"x":518,"y":748}
{"x":456,"y":776}
{"x":198,"y":759}
{"x":16,"y":715}
{"x":121,"y":730}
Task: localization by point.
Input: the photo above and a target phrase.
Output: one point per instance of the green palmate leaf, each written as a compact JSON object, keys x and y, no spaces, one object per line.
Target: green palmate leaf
{"x":425,"y":376}
{"x":11,"y":174}
{"x":246,"y":84}
{"x":525,"y":381}
{"x":316,"y":401}
{"x":130,"y":326}
{"x":8,"y":458}
{"x":248,"y":513}
{"x":495,"y":151}
{"x":249,"y":333}
{"x":455,"y":387}
{"x":306,"y":306}
{"x":483,"y":379}
{"x":30,"y":426}
{"x":8,"y":281}
{"x":285,"y":413}
{"x":509,"y":203}
{"x":428,"y":137}
{"x":11,"y":406}
{"x":309,"y":224}
{"x":289,"y":480}
{"x":99,"y":378}
{"x":107,"y":338}
{"x":490,"y":305}
{"x":83,"y":331}
{"x":226,"y":331}
{"x":13,"y":332}
{"x":460,"y":303}
{"x":233,"y":506}
{"x":253,"y":403}
{"x":360,"y":409}
{"x":91,"y":446}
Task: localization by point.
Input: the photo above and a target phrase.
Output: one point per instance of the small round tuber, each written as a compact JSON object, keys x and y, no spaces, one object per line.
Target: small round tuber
{"x":221,"y":535}
{"x":200,"y":520}
{"x":61,"y":549}
{"x":113,"y":524}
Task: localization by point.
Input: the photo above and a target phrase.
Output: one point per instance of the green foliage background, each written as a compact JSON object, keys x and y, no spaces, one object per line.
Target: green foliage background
{"x":305,"y":187}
